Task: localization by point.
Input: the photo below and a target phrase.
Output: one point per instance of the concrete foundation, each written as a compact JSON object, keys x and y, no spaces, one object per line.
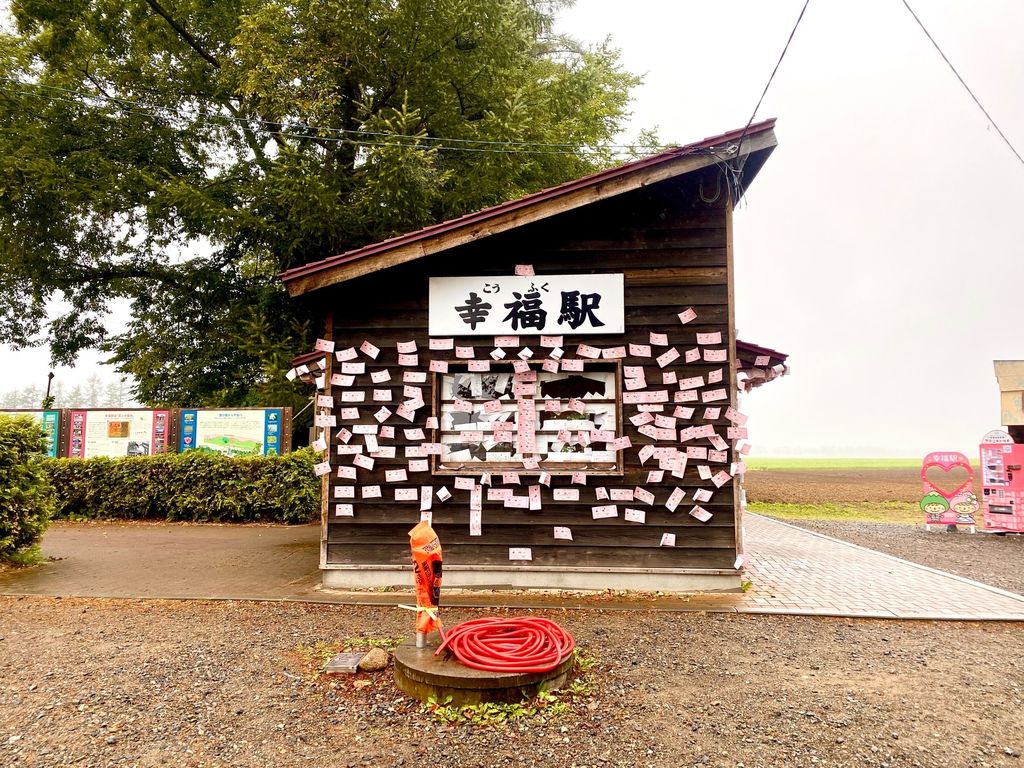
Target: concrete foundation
{"x":499,"y":577}
{"x":421,"y":675}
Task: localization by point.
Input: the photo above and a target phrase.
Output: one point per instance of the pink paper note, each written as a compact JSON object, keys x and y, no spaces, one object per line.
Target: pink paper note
{"x":702,"y":495}
{"x":551,"y":366}
{"x":369,"y":350}
{"x":409,"y":360}
{"x":655,"y":476}
{"x":585,"y":350}
{"x":438,"y":366}
{"x":668,"y":540}
{"x":579,"y":478}
{"x":700,"y":513}
{"x":643,"y":495}
{"x":713,"y":395}
{"x":659,"y":339}
{"x":716,"y":355}
{"x":709,"y":338}
{"x":687,"y":315}
{"x":640,"y":419}
{"x":645,"y":453}
{"x":572,"y":365}
{"x":464,"y":353}
{"x":691,"y":355}
{"x":668,"y":356}
{"x":635,"y":515}
{"x":735,"y":416}
{"x":506,"y":341}
{"x":350,"y":414}
{"x":721,"y":478}
{"x":601,"y":512}
{"x":354,"y":368}
{"x":562,"y":533}
{"x":674,"y":499}
{"x":551,"y":341}
{"x":524,"y":270}
{"x":498,"y":354}
{"x":406,"y":347}
{"x":639,"y":350}
{"x":364,"y":462}
{"x":323,"y":345}
{"x":346,"y":354}
{"x":613,"y":353}
{"x":478,"y":366}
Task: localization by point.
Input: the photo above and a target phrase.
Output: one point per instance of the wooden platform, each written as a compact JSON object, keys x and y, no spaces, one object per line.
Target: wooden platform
{"x":421,"y":675}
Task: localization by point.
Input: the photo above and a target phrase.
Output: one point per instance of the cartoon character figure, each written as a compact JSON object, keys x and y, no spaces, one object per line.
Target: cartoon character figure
{"x":934,"y":505}
{"x":965,"y":505}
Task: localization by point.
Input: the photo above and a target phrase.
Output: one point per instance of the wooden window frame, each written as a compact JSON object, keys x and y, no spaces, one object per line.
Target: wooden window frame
{"x":560,"y":468}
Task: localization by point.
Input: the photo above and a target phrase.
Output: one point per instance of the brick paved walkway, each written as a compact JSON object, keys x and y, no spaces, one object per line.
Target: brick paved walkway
{"x":793,"y":570}
{"x":797,"y":571}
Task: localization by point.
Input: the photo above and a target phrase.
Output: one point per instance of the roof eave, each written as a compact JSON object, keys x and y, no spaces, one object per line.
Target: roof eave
{"x":531,"y":208}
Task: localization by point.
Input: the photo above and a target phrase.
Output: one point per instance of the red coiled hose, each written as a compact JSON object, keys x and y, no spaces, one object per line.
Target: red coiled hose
{"x":527,"y":644}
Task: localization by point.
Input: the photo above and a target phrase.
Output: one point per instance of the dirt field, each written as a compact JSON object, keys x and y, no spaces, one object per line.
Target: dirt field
{"x":820,"y":486}
{"x":103,"y":683}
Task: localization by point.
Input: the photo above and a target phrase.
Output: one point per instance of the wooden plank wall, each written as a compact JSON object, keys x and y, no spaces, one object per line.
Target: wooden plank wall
{"x":673,"y":249}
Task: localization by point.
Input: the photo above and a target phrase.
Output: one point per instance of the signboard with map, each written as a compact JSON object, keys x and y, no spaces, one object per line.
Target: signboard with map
{"x":235,"y":432}
{"x":114,"y":433}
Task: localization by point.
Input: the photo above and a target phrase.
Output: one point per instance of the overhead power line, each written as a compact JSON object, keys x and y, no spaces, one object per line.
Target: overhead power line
{"x":964,"y":84}
{"x":771,"y":77}
{"x":343,"y":135}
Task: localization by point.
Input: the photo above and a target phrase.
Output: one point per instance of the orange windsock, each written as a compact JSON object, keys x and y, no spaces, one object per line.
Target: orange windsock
{"x":426,"y":559}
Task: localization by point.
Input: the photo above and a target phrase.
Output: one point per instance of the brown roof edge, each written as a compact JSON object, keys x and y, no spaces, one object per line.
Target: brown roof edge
{"x":754,"y":349}
{"x":412,"y":242}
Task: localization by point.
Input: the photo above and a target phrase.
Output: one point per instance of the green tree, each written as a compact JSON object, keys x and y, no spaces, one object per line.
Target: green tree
{"x":180,"y":153}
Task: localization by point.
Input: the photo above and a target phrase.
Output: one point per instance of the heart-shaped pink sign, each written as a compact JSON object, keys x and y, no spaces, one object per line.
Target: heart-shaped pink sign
{"x":946,"y":461}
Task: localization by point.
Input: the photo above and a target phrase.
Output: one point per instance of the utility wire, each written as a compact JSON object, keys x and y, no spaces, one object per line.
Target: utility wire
{"x":772,"y":75}
{"x":964,"y":84}
{"x":331,"y":133}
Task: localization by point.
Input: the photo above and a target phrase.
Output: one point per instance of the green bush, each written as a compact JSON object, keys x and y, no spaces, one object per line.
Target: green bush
{"x":191,"y":486}
{"x":26,"y":496}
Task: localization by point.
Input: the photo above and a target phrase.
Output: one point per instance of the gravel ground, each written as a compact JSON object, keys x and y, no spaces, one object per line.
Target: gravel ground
{"x":151,"y":683}
{"x":987,"y":558}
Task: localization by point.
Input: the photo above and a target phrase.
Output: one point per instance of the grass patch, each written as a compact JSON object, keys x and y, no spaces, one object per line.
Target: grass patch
{"x":24,"y":558}
{"x":826,"y":463}
{"x":895,"y":512}
{"x":545,"y":706}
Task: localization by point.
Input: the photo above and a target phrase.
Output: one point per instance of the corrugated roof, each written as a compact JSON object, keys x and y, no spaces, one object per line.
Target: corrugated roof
{"x":536,"y":198}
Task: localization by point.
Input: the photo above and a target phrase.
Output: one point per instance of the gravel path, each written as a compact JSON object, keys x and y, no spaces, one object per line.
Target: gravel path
{"x":987,"y":558}
{"x":151,"y":683}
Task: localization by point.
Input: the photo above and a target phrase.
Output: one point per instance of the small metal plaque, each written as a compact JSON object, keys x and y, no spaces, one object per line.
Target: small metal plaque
{"x":344,"y":663}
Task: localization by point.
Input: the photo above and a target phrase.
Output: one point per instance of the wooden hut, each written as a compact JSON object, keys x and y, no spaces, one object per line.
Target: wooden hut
{"x":553,"y":381}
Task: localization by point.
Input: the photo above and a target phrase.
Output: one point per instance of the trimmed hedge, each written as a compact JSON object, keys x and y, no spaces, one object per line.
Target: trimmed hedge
{"x":26,"y":496}
{"x":191,"y":486}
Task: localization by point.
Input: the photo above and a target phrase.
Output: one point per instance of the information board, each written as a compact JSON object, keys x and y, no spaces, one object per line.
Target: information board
{"x":240,"y":432}
{"x":126,"y":432}
{"x":49,"y":421}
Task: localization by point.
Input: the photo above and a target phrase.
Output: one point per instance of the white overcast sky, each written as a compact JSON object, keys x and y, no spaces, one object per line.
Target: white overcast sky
{"x":880,"y":247}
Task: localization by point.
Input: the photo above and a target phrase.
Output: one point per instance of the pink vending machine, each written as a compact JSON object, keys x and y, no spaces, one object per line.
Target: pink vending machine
{"x":1002,"y":482}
